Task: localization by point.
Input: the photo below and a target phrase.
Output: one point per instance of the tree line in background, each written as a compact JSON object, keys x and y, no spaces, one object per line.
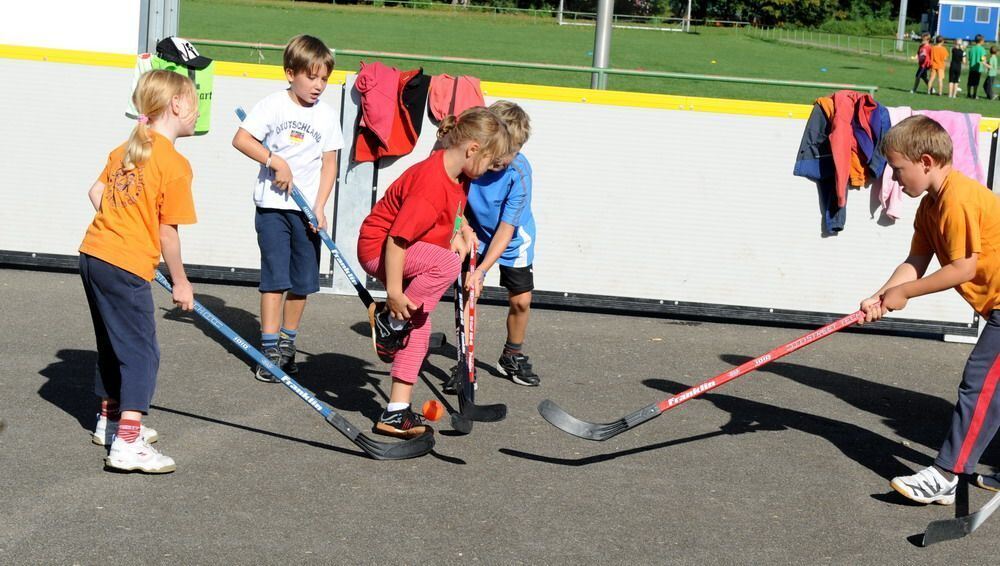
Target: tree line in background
{"x":809,"y":13}
{"x":860,"y":17}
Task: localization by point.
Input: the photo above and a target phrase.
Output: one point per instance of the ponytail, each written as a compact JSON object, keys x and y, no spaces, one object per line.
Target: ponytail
{"x":479,"y":125}
{"x":152,"y":97}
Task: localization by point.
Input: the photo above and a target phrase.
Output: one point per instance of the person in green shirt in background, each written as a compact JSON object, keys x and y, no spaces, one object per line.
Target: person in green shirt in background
{"x":991,"y":73}
{"x":976,"y":56}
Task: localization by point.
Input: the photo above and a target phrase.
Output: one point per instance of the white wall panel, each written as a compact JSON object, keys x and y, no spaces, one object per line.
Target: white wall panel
{"x":110,"y":26}
{"x":643,"y":203}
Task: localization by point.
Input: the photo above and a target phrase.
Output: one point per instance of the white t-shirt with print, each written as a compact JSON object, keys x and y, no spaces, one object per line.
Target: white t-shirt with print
{"x":300,"y":135}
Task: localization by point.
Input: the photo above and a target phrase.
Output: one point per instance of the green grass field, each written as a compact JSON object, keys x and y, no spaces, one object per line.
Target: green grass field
{"x":542,"y":40}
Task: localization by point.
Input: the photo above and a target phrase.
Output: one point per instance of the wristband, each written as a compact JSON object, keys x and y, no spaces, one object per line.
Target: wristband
{"x":267,"y":164}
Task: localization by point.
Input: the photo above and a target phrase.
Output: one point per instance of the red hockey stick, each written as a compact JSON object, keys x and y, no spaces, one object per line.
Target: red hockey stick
{"x":603,"y":431}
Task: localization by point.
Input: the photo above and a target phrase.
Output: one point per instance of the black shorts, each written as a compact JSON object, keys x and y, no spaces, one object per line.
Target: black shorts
{"x":516,"y":279}
{"x":954,"y":75}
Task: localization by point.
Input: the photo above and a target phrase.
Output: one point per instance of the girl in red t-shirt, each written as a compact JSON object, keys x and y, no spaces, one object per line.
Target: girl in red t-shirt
{"x":409,"y":243}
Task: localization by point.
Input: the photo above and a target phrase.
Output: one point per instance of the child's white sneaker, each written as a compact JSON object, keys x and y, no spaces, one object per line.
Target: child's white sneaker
{"x":927,"y":486}
{"x":138,"y":456}
{"x":105,"y":430}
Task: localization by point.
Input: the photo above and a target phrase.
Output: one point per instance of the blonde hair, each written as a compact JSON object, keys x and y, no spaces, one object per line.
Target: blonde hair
{"x":916,"y":136}
{"x":515,"y":118}
{"x":152,"y":97}
{"x":305,"y":52}
{"x":479,"y":125}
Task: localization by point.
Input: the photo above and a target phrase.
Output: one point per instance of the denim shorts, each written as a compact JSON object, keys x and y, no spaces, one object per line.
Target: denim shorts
{"x":289,"y":252}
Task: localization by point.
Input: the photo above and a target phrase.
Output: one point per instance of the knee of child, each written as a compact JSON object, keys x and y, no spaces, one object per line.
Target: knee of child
{"x":521,"y":302}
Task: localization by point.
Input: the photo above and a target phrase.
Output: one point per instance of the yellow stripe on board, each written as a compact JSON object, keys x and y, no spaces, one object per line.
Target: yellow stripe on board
{"x":492,"y":89}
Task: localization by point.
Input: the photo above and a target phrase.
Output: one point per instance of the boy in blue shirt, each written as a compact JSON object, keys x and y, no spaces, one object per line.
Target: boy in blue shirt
{"x":499,"y":210}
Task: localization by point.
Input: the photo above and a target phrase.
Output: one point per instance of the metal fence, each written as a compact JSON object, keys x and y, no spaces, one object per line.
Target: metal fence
{"x":259,"y":49}
{"x":874,"y":46}
{"x":565,"y":17}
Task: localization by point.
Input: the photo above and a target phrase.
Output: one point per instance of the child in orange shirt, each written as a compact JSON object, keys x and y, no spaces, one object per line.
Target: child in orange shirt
{"x":939,"y":56}
{"x":958,"y":221}
{"x":141,"y":196}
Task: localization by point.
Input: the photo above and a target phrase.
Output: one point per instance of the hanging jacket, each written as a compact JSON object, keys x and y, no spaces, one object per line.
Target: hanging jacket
{"x":847,"y":107}
{"x":378,"y":86}
{"x":407,"y":119}
{"x":890,"y":194}
{"x":964,"y":132}
{"x":815,"y":162}
{"x":450,"y":96}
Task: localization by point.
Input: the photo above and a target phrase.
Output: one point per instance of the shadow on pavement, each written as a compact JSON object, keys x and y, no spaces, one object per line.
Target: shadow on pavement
{"x":918,"y":417}
{"x":873,"y":451}
{"x":70,"y":385}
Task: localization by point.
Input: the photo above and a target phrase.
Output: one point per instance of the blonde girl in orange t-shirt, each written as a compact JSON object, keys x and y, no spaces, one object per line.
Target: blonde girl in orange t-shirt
{"x":141,"y":196}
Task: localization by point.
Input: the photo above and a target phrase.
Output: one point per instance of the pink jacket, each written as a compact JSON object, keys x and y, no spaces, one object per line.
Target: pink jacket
{"x":964,"y":132}
{"x":464,"y":90}
{"x":378,"y":86}
{"x":890,"y":194}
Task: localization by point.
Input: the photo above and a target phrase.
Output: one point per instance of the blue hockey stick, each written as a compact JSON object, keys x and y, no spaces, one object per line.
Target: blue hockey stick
{"x":379,"y":450}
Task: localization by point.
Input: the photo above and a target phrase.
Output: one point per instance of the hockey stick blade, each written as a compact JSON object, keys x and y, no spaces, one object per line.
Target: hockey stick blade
{"x":410,"y":448}
{"x":566,"y":422}
{"x":951,"y":529}
{"x":603,"y":431}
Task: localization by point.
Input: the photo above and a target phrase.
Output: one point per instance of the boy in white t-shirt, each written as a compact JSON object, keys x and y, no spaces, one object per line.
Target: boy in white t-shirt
{"x":295,"y":138}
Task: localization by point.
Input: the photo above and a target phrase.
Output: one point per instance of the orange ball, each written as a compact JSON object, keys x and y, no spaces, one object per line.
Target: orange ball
{"x":432,"y":410}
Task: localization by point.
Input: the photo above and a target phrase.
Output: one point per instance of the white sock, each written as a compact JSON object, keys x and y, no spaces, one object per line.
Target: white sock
{"x":396,"y":324}
{"x":396,"y":406}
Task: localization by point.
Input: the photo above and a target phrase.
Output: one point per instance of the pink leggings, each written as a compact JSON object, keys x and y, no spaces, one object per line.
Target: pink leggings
{"x":428,"y":271}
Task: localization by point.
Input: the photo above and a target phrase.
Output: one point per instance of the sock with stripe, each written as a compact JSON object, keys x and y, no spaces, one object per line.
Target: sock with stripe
{"x":288,"y":334}
{"x":268,"y":341}
{"x":128,"y":430}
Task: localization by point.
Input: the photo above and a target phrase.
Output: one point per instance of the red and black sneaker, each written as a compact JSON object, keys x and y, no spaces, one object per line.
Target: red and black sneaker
{"x":403,"y":423}
{"x":386,"y":339}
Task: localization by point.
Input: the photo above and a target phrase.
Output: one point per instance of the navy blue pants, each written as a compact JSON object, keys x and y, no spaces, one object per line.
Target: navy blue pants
{"x":977,"y":413}
{"x":128,"y":356}
{"x":289,"y":252}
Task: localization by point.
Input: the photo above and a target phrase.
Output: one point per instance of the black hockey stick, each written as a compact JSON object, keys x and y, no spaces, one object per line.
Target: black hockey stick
{"x":363,"y":293}
{"x":951,"y":529}
{"x":378,"y":450}
{"x":468,"y":411}
{"x":603,"y":431}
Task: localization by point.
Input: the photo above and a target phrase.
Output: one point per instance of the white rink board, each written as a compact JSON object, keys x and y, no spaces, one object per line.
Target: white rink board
{"x":110,"y":26}
{"x":659,"y":204}
{"x":61,"y":147}
{"x":696,"y":207}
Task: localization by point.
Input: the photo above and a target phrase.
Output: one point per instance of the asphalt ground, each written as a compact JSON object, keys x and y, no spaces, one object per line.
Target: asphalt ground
{"x":786,"y":465}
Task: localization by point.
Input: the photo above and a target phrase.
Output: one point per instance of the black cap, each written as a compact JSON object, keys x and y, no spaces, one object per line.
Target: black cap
{"x":179,"y":50}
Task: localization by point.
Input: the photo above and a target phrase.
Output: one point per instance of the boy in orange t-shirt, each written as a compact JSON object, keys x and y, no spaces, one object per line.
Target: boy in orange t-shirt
{"x":958,"y":221}
{"x":939,"y":56}
{"x":141,"y":196}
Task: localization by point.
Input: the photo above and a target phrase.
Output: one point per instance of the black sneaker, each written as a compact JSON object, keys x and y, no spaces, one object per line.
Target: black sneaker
{"x":386,"y":340}
{"x":403,"y":423}
{"x":261,"y":373}
{"x":518,"y":369}
{"x":286,"y":347}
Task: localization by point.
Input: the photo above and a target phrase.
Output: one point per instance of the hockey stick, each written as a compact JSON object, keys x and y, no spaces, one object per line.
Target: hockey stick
{"x":378,"y":450}
{"x":468,"y":411}
{"x":363,"y":293}
{"x":951,"y":529}
{"x":598,"y":431}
